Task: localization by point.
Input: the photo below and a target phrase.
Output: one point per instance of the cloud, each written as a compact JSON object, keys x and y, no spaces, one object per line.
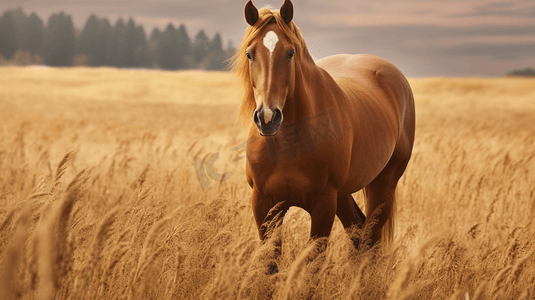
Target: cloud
{"x":508,"y":52}
{"x":422,"y":50}
{"x":501,"y":9}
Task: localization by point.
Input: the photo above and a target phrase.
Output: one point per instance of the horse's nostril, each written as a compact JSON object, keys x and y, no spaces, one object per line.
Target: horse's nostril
{"x":255,"y":117}
{"x":277,"y":116}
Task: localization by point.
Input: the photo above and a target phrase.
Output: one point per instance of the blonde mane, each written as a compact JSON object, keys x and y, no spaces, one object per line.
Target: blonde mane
{"x":240,"y":63}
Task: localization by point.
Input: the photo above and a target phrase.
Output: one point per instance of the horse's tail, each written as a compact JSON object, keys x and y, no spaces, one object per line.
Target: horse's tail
{"x":387,"y":231}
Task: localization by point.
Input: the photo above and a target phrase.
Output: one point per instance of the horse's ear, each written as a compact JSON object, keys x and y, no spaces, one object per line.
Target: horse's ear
{"x":287,"y":11}
{"x":251,"y":13}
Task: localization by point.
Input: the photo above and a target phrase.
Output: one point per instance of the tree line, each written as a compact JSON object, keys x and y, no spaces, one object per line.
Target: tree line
{"x":526,"y":72}
{"x":99,"y":43}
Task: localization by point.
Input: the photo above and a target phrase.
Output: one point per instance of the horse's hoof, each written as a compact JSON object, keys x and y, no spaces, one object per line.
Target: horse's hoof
{"x":357,"y":244}
{"x":272,"y":269}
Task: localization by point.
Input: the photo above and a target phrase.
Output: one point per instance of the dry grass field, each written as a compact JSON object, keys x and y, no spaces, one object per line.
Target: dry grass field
{"x":99,"y":197}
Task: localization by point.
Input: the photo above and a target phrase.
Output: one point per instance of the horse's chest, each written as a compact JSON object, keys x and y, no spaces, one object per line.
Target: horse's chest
{"x":285,"y":173}
{"x":288,"y":183}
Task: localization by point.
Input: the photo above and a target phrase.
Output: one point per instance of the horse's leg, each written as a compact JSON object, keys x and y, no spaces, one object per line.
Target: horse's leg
{"x":350,"y":215}
{"x":268,"y":218}
{"x":322,"y":215}
{"x":322,"y":212}
{"x":381,"y":192}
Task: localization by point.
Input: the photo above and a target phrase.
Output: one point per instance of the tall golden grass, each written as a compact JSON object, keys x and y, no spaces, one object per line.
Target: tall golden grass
{"x":99,"y":198}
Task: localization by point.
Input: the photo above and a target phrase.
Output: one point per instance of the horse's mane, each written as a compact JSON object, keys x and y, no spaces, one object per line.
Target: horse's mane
{"x":240,"y":63}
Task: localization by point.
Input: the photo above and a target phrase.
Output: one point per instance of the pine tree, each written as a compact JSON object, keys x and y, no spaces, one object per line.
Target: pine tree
{"x":100,"y":56}
{"x":216,"y":45}
{"x":60,"y":42}
{"x":167,"y":49}
{"x":19,"y":18}
{"x":131,"y":43}
{"x":230,"y":50}
{"x":8,"y":35}
{"x":201,"y":47}
{"x":155,"y":35}
{"x":217,"y":56}
{"x":135,"y":52}
{"x":33,"y":35}
{"x":89,"y":38}
{"x":143,"y":55}
{"x":184,"y":46}
{"x":116,"y":45}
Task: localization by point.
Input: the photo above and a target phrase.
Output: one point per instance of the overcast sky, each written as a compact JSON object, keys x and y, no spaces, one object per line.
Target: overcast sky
{"x":423,"y":38}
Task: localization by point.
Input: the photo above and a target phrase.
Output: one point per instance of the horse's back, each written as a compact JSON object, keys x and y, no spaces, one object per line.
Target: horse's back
{"x":356,"y":66}
{"x":368,"y":70}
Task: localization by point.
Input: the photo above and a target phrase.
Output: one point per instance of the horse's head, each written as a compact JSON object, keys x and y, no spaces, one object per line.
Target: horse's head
{"x":271,"y":68}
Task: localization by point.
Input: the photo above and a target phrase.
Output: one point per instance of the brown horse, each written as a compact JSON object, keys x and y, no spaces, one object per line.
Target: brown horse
{"x":348,"y":125}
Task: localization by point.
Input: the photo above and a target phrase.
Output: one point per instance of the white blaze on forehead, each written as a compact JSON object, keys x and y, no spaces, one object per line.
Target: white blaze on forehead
{"x":268,"y":114}
{"x":270,"y":41}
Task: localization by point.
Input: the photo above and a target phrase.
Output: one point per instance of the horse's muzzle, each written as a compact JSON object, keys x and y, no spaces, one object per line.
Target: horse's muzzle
{"x":268,"y":126}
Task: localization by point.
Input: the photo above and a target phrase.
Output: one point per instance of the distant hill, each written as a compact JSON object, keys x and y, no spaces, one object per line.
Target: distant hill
{"x":526,"y":72}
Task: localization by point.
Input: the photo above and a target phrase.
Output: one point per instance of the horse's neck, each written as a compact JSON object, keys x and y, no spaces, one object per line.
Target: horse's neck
{"x":306,"y":101}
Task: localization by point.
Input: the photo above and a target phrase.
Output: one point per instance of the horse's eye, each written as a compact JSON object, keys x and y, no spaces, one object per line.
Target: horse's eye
{"x":290,"y":55}
{"x":249,"y":56}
